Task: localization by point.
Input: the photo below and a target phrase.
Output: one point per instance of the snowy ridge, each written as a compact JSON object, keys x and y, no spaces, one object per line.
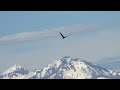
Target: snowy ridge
{"x":65,"y":68}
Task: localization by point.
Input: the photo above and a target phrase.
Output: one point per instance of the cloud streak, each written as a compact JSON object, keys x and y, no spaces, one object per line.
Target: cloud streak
{"x":23,"y":36}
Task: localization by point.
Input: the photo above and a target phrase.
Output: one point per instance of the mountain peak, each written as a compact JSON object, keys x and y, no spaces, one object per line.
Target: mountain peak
{"x":12,"y":68}
{"x":68,"y":60}
{"x":14,"y":71}
{"x":66,"y":56}
{"x":16,"y":66}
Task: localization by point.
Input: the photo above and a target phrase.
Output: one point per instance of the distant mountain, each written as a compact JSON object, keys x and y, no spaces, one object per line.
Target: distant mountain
{"x":15,"y":72}
{"x":65,"y":68}
{"x":110,"y":62}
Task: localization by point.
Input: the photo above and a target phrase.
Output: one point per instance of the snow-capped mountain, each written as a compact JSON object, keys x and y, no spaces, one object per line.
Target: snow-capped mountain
{"x":69,"y":68}
{"x":65,"y":68}
{"x":15,"y":72}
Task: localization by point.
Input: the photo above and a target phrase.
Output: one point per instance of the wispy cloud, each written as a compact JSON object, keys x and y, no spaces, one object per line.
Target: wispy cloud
{"x":23,"y":36}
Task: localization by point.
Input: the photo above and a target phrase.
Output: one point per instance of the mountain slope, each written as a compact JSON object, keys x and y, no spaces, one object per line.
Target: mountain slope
{"x":36,"y":75}
{"x":15,"y":72}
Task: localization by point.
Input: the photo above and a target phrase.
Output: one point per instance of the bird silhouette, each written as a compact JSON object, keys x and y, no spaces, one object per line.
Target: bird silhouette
{"x":63,"y":35}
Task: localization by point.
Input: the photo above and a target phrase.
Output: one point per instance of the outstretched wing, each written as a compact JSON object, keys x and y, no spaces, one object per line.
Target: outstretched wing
{"x":68,"y":35}
{"x":62,"y":35}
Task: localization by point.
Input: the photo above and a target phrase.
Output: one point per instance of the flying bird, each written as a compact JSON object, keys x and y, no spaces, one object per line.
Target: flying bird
{"x":63,"y":35}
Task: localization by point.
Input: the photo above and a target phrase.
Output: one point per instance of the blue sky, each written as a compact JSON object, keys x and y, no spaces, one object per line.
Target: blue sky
{"x":31,"y":38}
